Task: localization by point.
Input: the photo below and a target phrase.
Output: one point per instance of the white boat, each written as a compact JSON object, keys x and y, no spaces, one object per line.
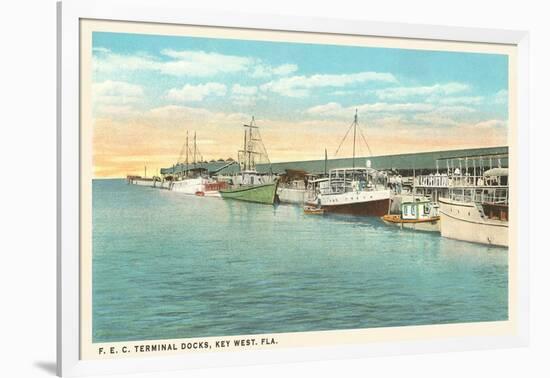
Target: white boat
{"x":466,"y":220}
{"x":141,"y":181}
{"x":354,"y":191}
{"x":477,"y":209}
{"x":199,"y":186}
{"x":195,"y":180}
{"x":292,"y":192}
{"x":421,"y":215}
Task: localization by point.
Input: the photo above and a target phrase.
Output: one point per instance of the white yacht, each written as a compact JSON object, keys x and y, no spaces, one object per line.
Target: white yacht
{"x":354,"y":191}
{"x":476,"y":209}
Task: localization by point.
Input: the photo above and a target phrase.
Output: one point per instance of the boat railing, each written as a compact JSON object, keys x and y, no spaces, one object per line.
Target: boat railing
{"x":436,"y":181}
{"x":450,"y":181}
{"x":495,"y":195}
{"x":353,"y":180}
{"x":353,"y":186}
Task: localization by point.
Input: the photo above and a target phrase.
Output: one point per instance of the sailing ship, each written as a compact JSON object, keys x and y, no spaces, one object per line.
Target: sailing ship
{"x":476,"y":206}
{"x":195,"y":180}
{"x":249,"y":185}
{"x":355,"y":191}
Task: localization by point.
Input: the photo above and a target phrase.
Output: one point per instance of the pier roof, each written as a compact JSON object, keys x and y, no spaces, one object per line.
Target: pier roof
{"x":419,"y":161}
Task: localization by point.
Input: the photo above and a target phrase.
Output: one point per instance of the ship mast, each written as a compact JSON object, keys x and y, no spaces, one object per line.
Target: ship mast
{"x":194,"y":149}
{"x":244,"y":149}
{"x":187,"y":154}
{"x":355,"y":126}
{"x":326,"y":158}
{"x":354,"y":134}
{"x":247,"y":148}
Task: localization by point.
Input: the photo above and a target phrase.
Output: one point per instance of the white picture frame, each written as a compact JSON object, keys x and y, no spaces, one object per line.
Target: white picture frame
{"x":70,"y":12}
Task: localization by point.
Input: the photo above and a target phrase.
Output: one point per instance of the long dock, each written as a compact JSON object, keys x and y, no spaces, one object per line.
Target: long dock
{"x":419,"y":163}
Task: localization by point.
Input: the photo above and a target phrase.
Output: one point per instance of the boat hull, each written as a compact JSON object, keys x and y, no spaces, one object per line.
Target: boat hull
{"x":199,"y":186}
{"x":142,"y":182}
{"x":289,"y":195}
{"x":313,"y":210}
{"x":263,"y":193}
{"x":430,"y":225}
{"x":376,"y":208}
{"x":189,"y":186}
{"x":371,"y":203}
{"x":464,"y":221}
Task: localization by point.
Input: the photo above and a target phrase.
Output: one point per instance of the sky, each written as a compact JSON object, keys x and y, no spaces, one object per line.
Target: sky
{"x":148,"y":91}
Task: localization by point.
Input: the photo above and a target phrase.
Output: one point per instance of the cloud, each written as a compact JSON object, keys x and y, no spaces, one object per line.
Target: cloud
{"x":334,"y":109}
{"x":176,"y":63}
{"x":201,"y":63}
{"x":492,"y":123}
{"x":103,"y":50}
{"x":187,"y":63}
{"x":115,"y":111}
{"x":383,"y":107}
{"x":192,"y":93}
{"x":266,"y":71}
{"x":341,"y":93}
{"x":398,"y":93}
{"x":244,"y":90}
{"x":454,"y":109}
{"x":116,"y":92}
{"x":116,"y":98}
{"x":447,"y":118}
{"x":175,"y":114}
{"x":301,"y":86}
{"x":434,"y":119}
{"x":387,"y":116}
{"x":464,"y":100}
{"x":112,"y":63}
{"x":245,"y":95}
{"x":501,"y":97}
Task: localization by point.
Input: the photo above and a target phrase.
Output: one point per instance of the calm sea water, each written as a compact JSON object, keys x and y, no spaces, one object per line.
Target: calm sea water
{"x":166,"y":265}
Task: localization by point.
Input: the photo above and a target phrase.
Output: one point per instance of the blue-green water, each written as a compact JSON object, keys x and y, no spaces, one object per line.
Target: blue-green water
{"x":166,"y":265}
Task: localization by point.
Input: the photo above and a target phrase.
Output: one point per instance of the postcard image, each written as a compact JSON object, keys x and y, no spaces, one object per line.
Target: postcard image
{"x":247,"y":189}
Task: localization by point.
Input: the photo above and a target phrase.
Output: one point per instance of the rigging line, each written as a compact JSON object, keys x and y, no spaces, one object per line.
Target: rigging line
{"x":343,"y":139}
{"x":263,"y":147}
{"x":181,"y":154}
{"x":198,"y":152}
{"x":365,"y":140}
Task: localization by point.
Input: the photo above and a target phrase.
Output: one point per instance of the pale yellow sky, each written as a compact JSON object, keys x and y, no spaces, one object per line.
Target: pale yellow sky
{"x":126,"y":145}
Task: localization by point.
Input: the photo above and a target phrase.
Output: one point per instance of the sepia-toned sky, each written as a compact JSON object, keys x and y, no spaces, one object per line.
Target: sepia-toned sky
{"x":149,"y":91}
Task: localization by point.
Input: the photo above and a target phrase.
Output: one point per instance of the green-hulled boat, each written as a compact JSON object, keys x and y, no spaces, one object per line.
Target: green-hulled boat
{"x":262,"y":193}
{"x":249,"y":185}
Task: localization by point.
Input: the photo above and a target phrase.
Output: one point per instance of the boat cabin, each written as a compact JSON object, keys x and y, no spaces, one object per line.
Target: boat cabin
{"x":343,"y":180}
{"x":251,"y":177}
{"x":416,"y":210}
{"x":496,"y":177}
{"x":314,"y":187}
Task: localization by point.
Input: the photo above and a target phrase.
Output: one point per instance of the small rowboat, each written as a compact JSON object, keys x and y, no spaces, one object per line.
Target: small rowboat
{"x":313,"y":210}
{"x":423,"y":224}
{"x":392,"y":218}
